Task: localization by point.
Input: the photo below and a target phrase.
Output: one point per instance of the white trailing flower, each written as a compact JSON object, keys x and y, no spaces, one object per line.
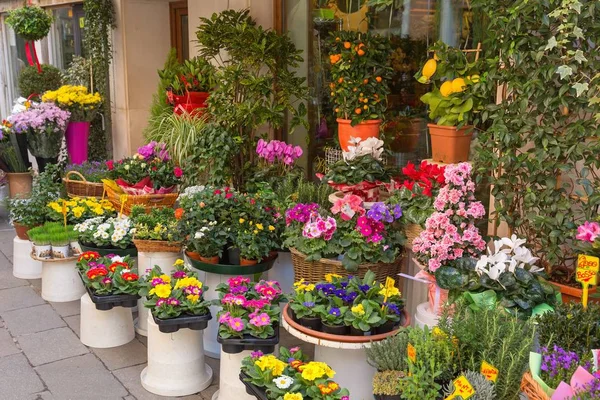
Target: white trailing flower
{"x":358,"y":148}
{"x":283,"y":381}
{"x":508,"y":255}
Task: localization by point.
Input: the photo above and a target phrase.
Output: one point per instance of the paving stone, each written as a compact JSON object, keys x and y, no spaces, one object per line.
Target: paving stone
{"x":5,"y":262}
{"x":130,"y":397}
{"x":18,"y":380}
{"x":36,"y":284}
{"x":7,"y":344}
{"x":81,"y":378}
{"x":74,"y":322}
{"x":143,"y":339}
{"x":20,"y":297}
{"x":6,"y":242}
{"x":32,"y":320}
{"x":130,"y":378}
{"x":48,"y":346}
{"x":67,"y":309}
{"x":208,"y":393}
{"x":133,"y":353}
{"x":42,"y":396}
{"x":7,"y":279}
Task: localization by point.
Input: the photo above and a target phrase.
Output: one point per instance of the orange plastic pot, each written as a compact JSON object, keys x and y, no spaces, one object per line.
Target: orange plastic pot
{"x":570,"y":293}
{"x":193,"y":255}
{"x":362,"y":130}
{"x":450,"y":145}
{"x":209,"y":260}
{"x":243,"y":261}
{"x":21,"y":231}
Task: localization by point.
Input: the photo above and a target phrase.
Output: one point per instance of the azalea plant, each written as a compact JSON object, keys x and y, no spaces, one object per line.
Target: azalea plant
{"x":169,"y":296}
{"x":102,"y":232}
{"x":79,"y":209}
{"x":81,"y":104}
{"x":588,"y":238}
{"x":248,"y":308}
{"x":110,"y":274}
{"x":291,"y":376}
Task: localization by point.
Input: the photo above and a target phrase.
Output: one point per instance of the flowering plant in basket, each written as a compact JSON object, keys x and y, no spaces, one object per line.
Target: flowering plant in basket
{"x":248,"y":307}
{"x":111,"y":274}
{"x":170,"y":296}
{"x":291,"y":376}
{"x":92,"y":171}
{"x":102,"y":232}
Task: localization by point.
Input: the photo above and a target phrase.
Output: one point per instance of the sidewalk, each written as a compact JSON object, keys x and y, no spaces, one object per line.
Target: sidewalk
{"x":41,"y":357}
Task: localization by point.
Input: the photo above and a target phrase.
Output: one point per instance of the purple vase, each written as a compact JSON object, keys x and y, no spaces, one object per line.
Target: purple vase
{"x":77,"y":135}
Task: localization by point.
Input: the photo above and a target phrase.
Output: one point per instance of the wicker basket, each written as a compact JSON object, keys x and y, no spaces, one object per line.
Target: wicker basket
{"x":314,"y":271}
{"x":532,"y":389}
{"x":82,"y":188}
{"x":157,"y":246}
{"x":148,"y":201}
{"x":412,"y":232}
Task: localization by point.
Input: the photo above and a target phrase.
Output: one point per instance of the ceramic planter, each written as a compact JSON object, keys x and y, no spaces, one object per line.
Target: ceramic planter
{"x":571,"y":293}
{"x":43,"y":251}
{"x":176,"y":362}
{"x":247,"y":262}
{"x":77,"y":136}
{"x":75,"y":248}
{"x":105,"y":329}
{"x":187,"y":321}
{"x":19,"y":184}
{"x":61,"y":251}
{"x":450,"y":145}
{"x":335,"y":329}
{"x":21,"y":231}
{"x":237,"y":345}
{"x":60,"y":281}
{"x":25,"y":267}
{"x":230,"y":386}
{"x":363,"y":130}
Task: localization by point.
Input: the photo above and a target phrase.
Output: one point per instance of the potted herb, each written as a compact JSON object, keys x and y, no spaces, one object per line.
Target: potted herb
{"x":452,"y":102}
{"x":41,"y":242}
{"x":156,"y":231}
{"x":113,"y":235}
{"x":386,"y":385}
{"x":484,"y":388}
{"x":34,"y":82}
{"x":359,"y":71}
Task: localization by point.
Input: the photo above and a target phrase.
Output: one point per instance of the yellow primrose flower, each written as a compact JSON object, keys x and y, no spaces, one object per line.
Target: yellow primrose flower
{"x":163,"y":291}
{"x":293,"y":396}
{"x":310,"y":287}
{"x":188,"y":281}
{"x":259,"y":227}
{"x":193,"y":298}
{"x":389,"y":292}
{"x":316,"y":370}
{"x":271,"y":228}
{"x":78,"y":211}
{"x":165,"y":278}
{"x":329,"y":277}
{"x":271,"y":362}
{"x":178,"y":262}
{"x":358,"y":309}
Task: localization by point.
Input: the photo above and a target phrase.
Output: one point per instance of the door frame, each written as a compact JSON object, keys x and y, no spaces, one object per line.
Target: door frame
{"x":177,"y":9}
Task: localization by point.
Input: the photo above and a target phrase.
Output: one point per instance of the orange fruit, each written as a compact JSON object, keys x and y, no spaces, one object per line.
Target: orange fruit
{"x":378,"y":79}
{"x":332,"y":85}
{"x":333,"y":93}
{"x":366,"y":100}
{"x":337,"y":110}
{"x":366,"y":107}
{"x":360,"y":52}
{"x":347,"y":45}
{"x":358,"y":110}
{"x":337,"y":39}
{"x":365,"y":81}
{"x":355,"y":90}
{"x":334,"y":58}
{"x":340,"y":80}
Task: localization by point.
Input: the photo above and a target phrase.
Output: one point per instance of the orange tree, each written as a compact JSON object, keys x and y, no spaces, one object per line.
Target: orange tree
{"x":360,"y":73}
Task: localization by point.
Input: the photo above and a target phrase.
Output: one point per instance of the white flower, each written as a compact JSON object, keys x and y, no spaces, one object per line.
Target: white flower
{"x":117,"y":259}
{"x":508,"y":255}
{"x":283,"y":381}
{"x":371,"y":146}
{"x":198,"y":235}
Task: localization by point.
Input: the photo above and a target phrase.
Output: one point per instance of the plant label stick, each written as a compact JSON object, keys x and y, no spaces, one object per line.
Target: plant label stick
{"x":587,"y":274}
{"x":489,"y":371}
{"x":462,"y":388}
{"x":64,"y":211}
{"x":123,"y":201}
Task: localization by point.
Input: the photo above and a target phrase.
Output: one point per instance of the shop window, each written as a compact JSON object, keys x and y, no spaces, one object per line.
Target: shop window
{"x":67,"y":35}
{"x":179,"y":29}
{"x":13,"y":61}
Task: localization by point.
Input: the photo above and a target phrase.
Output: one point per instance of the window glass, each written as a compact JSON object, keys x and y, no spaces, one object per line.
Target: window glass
{"x":15,"y":61}
{"x":63,"y":38}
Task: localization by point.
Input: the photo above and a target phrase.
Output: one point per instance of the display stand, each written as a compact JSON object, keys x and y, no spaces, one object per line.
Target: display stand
{"x":147,"y":260}
{"x":425,"y":317}
{"x":176,"y":365}
{"x":105,"y":329}
{"x":60,"y":280}
{"x":25,"y":267}
{"x":230,"y":386}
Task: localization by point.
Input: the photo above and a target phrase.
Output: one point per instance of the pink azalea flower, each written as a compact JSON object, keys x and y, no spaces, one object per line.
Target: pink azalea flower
{"x":588,"y":232}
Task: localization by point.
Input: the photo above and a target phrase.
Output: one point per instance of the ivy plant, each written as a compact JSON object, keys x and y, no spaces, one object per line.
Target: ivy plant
{"x":542,"y":142}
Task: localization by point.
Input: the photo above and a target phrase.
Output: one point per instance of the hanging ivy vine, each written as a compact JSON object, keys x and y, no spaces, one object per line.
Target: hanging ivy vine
{"x":99,"y":22}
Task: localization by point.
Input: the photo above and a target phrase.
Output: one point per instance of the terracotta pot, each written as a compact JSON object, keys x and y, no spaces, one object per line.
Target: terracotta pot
{"x":244,"y":261}
{"x":19,"y":184}
{"x":209,"y":260}
{"x":193,"y":255}
{"x":571,"y":293}
{"x":363,"y":130}
{"x":450,"y":145}
{"x":21,"y":231}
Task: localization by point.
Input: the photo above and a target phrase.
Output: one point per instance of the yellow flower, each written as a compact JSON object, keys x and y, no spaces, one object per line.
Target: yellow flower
{"x":310,"y":287}
{"x":98,"y":210}
{"x":389,"y":292}
{"x":329,"y":277}
{"x":255,"y":231}
{"x":242,"y":220}
{"x":165,"y":278}
{"x":78,"y":211}
{"x":163,"y":291}
{"x":259,"y":227}
{"x":293,"y":396}
{"x":271,"y":228}
{"x":189,"y":281}
{"x":271,"y":362}
{"x":316,"y":370}
{"x":193,"y":298}
{"x":358,"y":309}
{"x":178,"y":262}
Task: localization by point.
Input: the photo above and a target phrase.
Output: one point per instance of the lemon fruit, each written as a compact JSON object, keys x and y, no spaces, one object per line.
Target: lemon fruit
{"x":446,"y":89}
{"x":429,"y":68}
{"x":458,"y":85}
{"x":474,"y":78}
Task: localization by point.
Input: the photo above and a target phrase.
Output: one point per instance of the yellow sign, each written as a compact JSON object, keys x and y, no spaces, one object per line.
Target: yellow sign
{"x":489,"y":371}
{"x":81,"y":22}
{"x":412,"y":353}
{"x":462,"y":388}
{"x":64,"y":212}
{"x":587,"y":274}
{"x":123,"y":199}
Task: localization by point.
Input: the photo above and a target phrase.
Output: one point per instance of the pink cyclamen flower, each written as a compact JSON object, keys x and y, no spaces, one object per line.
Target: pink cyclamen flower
{"x":261,"y":320}
{"x":588,"y":232}
{"x":237,"y":324}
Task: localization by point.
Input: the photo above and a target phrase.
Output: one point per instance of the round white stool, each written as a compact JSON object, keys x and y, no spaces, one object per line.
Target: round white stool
{"x":425,"y":317}
{"x":147,"y":260}
{"x":176,"y":365}
{"x":25,"y":267}
{"x":60,"y":281}
{"x":105,"y":329}
{"x":230,"y":386}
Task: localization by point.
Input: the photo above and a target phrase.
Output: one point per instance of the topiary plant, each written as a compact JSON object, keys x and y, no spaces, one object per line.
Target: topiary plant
{"x":387,"y":383}
{"x":30,"y":22}
{"x":484,"y":389}
{"x":32,"y":82}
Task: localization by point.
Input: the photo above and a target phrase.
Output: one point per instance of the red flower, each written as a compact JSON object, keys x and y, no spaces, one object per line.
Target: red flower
{"x":178,"y":172}
{"x":179,"y":213}
{"x":218,"y":191}
{"x":96,"y":272}
{"x":89,"y":255}
{"x":113,"y":267}
{"x":229,"y":195}
{"x":154,"y":168}
{"x":110,"y":164}
{"x":252,"y":201}
{"x":227,"y":189}
{"x":130,"y":276}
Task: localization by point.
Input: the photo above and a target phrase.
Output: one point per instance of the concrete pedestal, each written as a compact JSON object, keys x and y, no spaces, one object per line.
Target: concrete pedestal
{"x":425,"y":317}
{"x":176,"y":365}
{"x":105,"y":329}
{"x":147,"y":261}
{"x":283,"y":272}
{"x":60,"y":281}
{"x":25,"y":267}
{"x":230,"y":386}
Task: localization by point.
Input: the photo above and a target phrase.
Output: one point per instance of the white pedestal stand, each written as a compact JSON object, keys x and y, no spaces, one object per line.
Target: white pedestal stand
{"x":176,"y":364}
{"x":283,"y":271}
{"x":147,"y":260}
{"x":230,"y":386}
{"x":105,"y":329}
{"x":25,"y":267}
{"x":60,"y":280}
{"x":425,"y":317}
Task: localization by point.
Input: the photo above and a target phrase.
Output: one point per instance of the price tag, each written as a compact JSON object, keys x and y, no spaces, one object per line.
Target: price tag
{"x":587,"y":274}
{"x":462,"y":388}
{"x":489,"y":371}
{"x":412,"y":353}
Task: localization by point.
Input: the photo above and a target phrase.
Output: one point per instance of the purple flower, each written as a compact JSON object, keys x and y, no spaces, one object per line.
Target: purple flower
{"x":379,"y":212}
{"x":256,"y":354}
{"x":326,"y":288}
{"x":294,"y":349}
{"x":349,"y":298}
{"x":42,"y":118}
{"x":179,"y":274}
{"x":364,"y":288}
{"x":147,"y":151}
{"x":393,"y":308}
{"x":397,"y":211}
{"x":111,"y":256}
{"x":335,"y":311}
{"x":308,"y":304}
{"x":161,"y":302}
{"x":173,"y":302}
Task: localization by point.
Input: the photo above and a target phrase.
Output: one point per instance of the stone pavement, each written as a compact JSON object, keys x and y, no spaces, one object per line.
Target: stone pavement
{"x":41,"y":357}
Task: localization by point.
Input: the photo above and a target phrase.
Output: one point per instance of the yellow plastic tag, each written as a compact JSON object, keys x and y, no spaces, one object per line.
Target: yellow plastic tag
{"x":489,"y":371}
{"x":123,"y":199}
{"x":64,"y":211}
{"x":587,"y":269}
{"x":462,"y":388}
{"x":412,"y":353}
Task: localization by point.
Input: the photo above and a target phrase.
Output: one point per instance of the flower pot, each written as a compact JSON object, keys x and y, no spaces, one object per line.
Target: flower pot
{"x":313,"y":323}
{"x":193,"y":322}
{"x":21,"y":231}
{"x":360,"y":332}
{"x":363,"y":130}
{"x":571,"y":293}
{"x":244,"y":261}
{"x":106,"y":302}
{"x":44,"y":252}
{"x":129,"y":251}
{"x":19,"y":184}
{"x":194,"y":255}
{"x":43,"y":161}
{"x":77,"y":136}
{"x":105,"y":329}
{"x":233,"y":256}
{"x":60,"y":281}
{"x":388,"y":326}
{"x":209,"y":260}
{"x":335,"y":329}
{"x":450,"y":145}
{"x":25,"y":267}
{"x":248,"y":342}
{"x":198,"y":98}
{"x":253,"y":390}
{"x":75,"y":248}
{"x":61,"y":251}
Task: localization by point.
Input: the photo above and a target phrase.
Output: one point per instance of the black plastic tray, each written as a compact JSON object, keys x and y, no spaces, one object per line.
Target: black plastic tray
{"x":186,"y":321}
{"x":105,"y":302}
{"x":237,"y":345}
{"x":131,"y":251}
{"x":253,"y":390}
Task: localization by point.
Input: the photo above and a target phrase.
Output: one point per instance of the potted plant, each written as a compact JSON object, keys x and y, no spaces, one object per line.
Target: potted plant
{"x":276,"y":160}
{"x":189,"y":84}
{"x":254,"y":240}
{"x":386,"y":385}
{"x":304,"y":305}
{"x":82,"y":106}
{"x":17,"y":172}
{"x":41,"y":242}
{"x":208,"y":243}
{"x":60,"y":240}
{"x":156,"y":231}
{"x":404,"y":130}
{"x":79,"y":209}
{"x":33,"y":83}
{"x":359,"y":71}
{"x":176,"y":301}
{"x":85,"y":180}
{"x":44,"y":126}
{"x":452,"y":102}
{"x":112,"y":235}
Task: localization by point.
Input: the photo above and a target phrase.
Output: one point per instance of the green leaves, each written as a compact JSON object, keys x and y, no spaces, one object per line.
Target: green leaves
{"x":564,"y":71}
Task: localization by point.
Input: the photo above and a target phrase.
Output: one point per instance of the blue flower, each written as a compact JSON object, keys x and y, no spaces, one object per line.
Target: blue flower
{"x":308,"y":304}
{"x":392,"y":307}
{"x":339,"y":293}
{"x":364,"y":288}
{"x":326,"y":288}
{"x":397,"y":211}
{"x":335,"y":311}
{"x":349,"y":298}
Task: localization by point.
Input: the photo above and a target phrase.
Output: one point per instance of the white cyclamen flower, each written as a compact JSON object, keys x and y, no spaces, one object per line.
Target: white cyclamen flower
{"x":198,"y":235}
{"x":283,"y":381}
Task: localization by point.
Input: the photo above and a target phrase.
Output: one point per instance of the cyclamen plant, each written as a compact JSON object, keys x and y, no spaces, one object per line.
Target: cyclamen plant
{"x":278,"y":151}
{"x":110,"y":274}
{"x":450,"y":232}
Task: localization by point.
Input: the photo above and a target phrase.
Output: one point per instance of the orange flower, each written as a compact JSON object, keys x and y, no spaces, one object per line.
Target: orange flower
{"x":347,"y":45}
{"x":325,"y":389}
{"x":179,"y":213}
{"x":333,"y":386}
{"x":335,"y":58}
{"x":296,"y":364}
